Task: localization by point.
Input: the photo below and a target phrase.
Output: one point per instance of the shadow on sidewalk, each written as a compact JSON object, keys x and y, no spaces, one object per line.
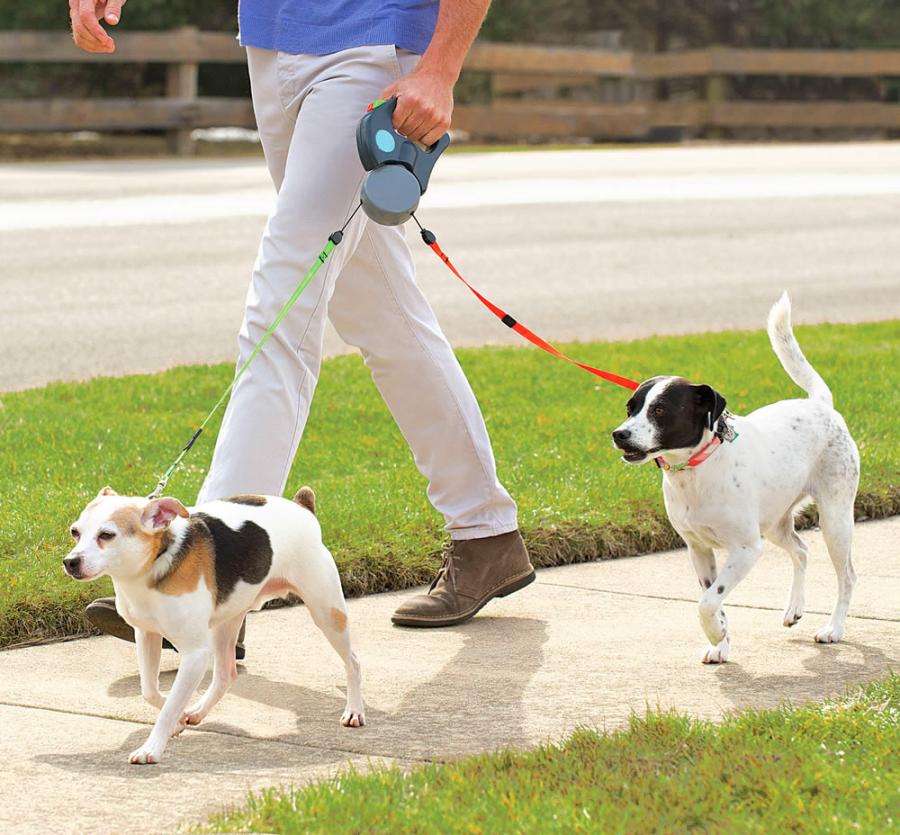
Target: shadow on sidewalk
{"x":832,"y":669}
{"x":195,"y":752}
{"x":475,"y":703}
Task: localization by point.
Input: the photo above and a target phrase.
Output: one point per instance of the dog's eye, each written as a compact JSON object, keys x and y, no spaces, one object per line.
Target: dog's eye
{"x":106,"y":536}
{"x":75,"y":534}
{"x":658,"y":411}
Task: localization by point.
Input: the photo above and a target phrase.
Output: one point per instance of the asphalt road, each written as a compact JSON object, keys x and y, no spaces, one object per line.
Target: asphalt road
{"x":118,"y":267}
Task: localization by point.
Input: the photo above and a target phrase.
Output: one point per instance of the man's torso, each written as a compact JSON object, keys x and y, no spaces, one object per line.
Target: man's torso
{"x":320,"y":27}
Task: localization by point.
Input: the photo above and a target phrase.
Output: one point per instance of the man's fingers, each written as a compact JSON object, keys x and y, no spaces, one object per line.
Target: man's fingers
{"x":430,"y":138}
{"x":419,"y":118}
{"x":85,"y":40}
{"x":427,"y":126}
{"x":416,"y":127}
{"x":88,"y":28}
{"x":403,"y":113}
{"x":113,"y":12}
{"x":83,"y":36}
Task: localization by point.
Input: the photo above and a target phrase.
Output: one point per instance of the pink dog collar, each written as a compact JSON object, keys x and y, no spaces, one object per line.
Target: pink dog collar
{"x":695,"y":460}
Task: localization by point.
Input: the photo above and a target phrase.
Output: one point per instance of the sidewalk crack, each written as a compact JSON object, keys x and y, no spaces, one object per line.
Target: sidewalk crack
{"x":648,"y":596}
{"x":220,"y":732}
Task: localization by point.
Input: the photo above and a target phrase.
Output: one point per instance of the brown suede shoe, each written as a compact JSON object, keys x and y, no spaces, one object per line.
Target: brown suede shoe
{"x":474,"y":572}
{"x":103,"y":615}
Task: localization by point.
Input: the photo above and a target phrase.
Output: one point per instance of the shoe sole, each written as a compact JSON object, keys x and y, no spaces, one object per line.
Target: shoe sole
{"x":109,"y":622}
{"x":513,"y":586}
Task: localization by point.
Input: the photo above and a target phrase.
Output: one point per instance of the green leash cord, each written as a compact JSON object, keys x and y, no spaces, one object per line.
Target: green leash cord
{"x":333,"y":240}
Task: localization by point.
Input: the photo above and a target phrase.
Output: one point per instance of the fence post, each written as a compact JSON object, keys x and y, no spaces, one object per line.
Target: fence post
{"x":181,"y":83}
{"x":716,"y":92}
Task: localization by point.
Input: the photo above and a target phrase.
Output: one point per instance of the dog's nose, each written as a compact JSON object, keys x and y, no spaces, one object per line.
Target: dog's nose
{"x":621,"y":435}
{"x":71,"y":564}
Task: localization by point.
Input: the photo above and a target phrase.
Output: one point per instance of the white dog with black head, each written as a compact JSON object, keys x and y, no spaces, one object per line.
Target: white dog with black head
{"x":730,"y":481}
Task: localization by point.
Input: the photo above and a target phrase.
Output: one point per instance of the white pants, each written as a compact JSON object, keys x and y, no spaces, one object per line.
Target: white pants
{"x":307,"y":108}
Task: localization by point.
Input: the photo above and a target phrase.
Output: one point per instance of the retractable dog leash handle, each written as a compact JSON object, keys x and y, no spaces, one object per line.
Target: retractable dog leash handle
{"x":399,"y":169}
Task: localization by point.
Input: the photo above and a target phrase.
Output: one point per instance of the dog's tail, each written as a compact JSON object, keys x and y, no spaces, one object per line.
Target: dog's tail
{"x":787,"y":349}
{"x":306,"y":498}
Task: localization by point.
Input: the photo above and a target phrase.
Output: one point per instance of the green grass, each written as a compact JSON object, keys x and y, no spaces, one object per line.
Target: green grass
{"x":829,"y":767}
{"x":549,"y":422}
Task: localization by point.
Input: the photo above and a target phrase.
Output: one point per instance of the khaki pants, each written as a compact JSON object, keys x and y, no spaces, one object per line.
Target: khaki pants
{"x":307,"y":108}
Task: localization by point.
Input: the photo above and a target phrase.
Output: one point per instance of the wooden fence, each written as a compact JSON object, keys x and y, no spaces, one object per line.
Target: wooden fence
{"x":513,"y":68}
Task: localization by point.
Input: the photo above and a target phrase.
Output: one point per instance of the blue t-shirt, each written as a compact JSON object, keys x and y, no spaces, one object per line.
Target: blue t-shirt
{"x":319,"y":27}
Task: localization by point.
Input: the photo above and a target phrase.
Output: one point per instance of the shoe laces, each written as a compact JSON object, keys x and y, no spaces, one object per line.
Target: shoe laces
{"x":448,"y":570}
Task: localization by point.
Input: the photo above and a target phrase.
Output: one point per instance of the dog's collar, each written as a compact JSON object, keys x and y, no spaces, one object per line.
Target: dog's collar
{"x":695,"y":460}
{"x":724,"y":432}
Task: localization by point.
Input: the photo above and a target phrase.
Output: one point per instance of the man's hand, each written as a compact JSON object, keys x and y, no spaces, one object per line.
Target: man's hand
{"x":424,"y":105}
{"x":87,"y":32}
{"x":425,"y":96}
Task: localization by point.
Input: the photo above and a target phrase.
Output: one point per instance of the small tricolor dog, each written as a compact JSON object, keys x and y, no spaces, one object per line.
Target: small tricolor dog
{"x":729,"y":481}
{"x":192,"y":576}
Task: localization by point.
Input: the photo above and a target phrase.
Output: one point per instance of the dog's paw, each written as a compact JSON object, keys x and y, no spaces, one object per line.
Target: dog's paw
{"x":717,"y":654}
{"x":193,"y":717}
{"x":179,"y":727}
{"x":829,"y":634}
{"x":353,"y":718}
{"x":791,"y":617}
{"x":145,"y":755}
{"x":794,"y":609}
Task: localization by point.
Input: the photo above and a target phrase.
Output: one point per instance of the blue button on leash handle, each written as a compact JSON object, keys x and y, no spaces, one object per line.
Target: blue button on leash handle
{"x":399,"y":169}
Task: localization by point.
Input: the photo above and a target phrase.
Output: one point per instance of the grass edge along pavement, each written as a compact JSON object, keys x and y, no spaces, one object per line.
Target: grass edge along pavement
{"x":822,"y":767}
{"x":549,"y":423}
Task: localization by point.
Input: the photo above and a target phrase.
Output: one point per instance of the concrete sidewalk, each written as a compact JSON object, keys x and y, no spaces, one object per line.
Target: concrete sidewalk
{"x":584,"y":645}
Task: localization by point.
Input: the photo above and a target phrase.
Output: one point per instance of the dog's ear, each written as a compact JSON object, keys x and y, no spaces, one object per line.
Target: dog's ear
{"x":107,"y":491}
{"x":710,"y":404}
{"x":159,"y":513}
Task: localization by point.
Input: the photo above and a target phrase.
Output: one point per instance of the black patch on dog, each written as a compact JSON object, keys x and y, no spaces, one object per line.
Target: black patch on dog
{"x":720,"y":589}
{"x":254,"y":501}
{"x":684,"y":412}
{"x":707,"y":583}
{"x":636,"y":401}
{"x":243,"y":554}
{"x":712,"y":402}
